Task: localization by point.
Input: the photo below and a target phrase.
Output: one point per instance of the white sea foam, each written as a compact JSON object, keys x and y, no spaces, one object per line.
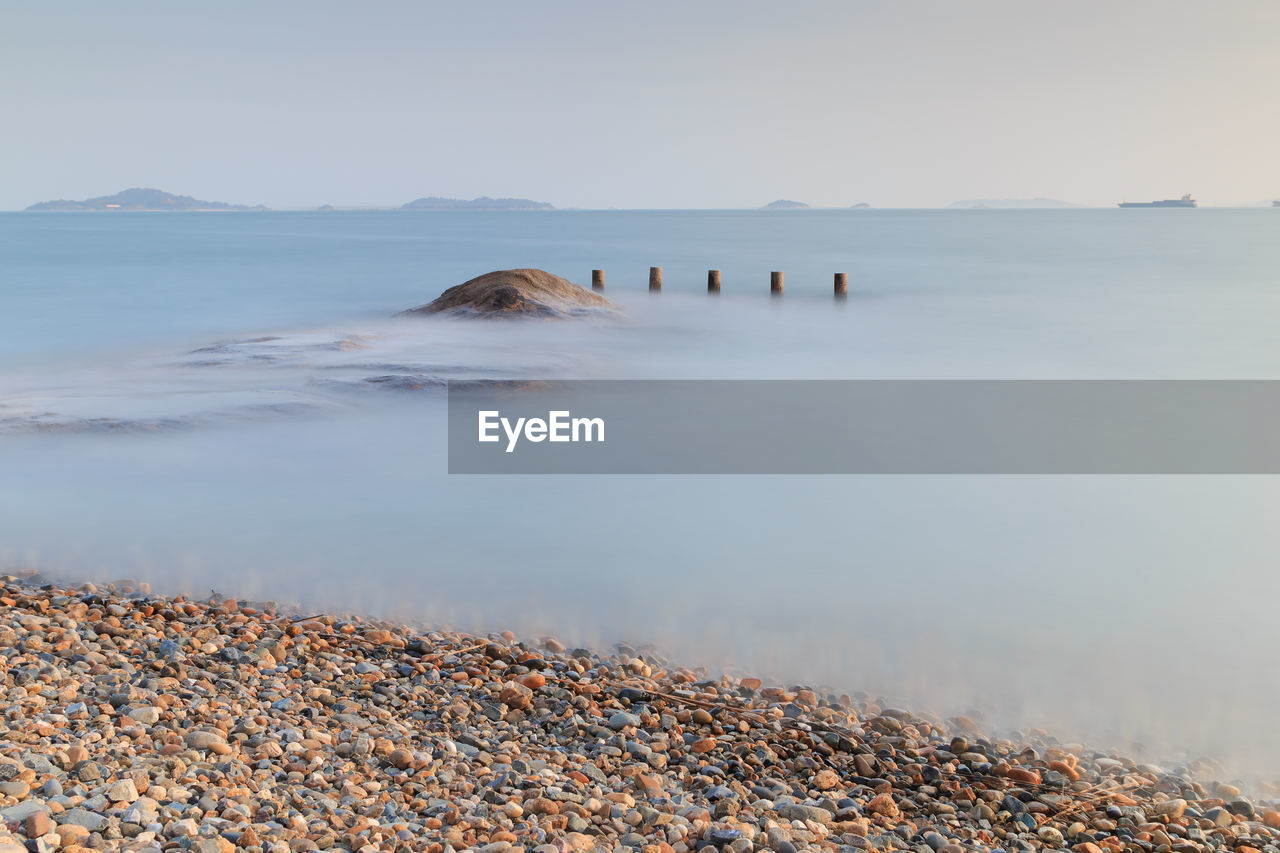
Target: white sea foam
{"x":216,"y":433}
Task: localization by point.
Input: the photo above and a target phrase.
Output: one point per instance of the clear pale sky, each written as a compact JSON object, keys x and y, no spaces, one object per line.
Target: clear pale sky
{"x":899,"y":103}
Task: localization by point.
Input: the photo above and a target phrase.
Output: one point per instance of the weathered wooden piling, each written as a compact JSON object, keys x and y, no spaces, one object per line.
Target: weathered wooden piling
{"x":840,"y":286}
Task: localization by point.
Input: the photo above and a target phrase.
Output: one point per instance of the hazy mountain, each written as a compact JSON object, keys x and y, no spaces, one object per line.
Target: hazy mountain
{"x":1012,"y":203}
{"x":859,"y":206}
{"x":785,"y":204}
{"x":482,"y":203}
{"x":141,"y":199}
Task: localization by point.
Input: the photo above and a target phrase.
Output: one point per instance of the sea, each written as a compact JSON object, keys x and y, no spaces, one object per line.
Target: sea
{"x":227,"y":402}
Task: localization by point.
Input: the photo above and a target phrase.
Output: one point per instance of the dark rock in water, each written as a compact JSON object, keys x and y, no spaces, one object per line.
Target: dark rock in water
{"x":517,"y":293}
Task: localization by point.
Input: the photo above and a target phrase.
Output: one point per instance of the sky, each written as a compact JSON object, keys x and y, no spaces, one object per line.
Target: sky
{"x":719,"y":103}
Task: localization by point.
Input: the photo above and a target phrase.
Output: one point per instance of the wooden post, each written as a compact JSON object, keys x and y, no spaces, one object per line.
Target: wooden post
{"x":597,"y":279}
{"x":775,"y":282}
{"x":713,"y":281}
{"x":655,"y":278}
{"x":842,"y":284}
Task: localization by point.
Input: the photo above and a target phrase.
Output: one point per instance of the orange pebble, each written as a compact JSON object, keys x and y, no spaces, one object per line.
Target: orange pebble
{"x":1065,"y":769}
{"x":1024,"y":776}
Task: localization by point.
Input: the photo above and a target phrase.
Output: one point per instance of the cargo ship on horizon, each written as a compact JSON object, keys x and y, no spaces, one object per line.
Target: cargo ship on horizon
{"x":1185,"y":201}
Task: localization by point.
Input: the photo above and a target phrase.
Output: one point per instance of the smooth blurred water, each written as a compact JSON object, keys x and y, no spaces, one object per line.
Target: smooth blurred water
{"x":210,"y":401}
{"x":1077,"y":289}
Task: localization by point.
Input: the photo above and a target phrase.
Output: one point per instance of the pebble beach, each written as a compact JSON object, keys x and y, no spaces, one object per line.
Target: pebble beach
{"x":139,"y":722}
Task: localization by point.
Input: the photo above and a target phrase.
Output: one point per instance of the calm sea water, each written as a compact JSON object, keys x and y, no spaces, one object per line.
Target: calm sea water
{"x":219,"y":401}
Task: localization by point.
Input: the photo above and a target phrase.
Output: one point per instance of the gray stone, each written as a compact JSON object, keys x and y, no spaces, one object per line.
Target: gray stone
{"x":39,"y":763}
{"x":143,"y":812}
{"x":796,"y":811}
{"x":20,"y":812}
{"x":934,"y":840}
{"x":622,"y":719}
{"x":89,"y":820}
{"x":594,"y":773}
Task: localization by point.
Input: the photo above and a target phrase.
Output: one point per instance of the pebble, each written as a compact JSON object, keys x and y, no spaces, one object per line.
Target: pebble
{"x":796,"y":811}
{"x":16,"y":789}
{"x":21,"y":811}
{"x":1023,"y":776}
{"x":37,"y":825}
{"x":143,"y":724}
{"x":1050,"y":835}
{"x":622,"y":720}
{"x":123,"y":791}
{"x":70,"y":835}
{"x":91,"y":821}
{"x":1170,"y":809}
{"x":146,"y":715}
{"x":825,"y":780}
{"x":204,"y":739}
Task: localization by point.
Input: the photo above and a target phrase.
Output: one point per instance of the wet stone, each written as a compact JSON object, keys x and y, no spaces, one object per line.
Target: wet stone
{"x":182,"y":726}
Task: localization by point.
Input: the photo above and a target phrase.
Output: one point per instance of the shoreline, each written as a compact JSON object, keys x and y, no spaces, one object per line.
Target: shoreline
{"x":140,"y":722}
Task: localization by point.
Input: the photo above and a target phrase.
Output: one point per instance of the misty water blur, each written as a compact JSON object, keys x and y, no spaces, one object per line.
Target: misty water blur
{"x":223,"y":402}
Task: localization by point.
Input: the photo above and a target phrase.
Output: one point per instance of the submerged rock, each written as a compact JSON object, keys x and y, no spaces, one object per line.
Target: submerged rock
{"x":517,"y":293}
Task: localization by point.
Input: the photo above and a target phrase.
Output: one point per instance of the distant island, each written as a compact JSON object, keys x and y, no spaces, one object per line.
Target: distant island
{"x":1010,"y":203}
{"x":141,"y":198}
{"x":482,"y":203}
{"x":788,"y":204}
